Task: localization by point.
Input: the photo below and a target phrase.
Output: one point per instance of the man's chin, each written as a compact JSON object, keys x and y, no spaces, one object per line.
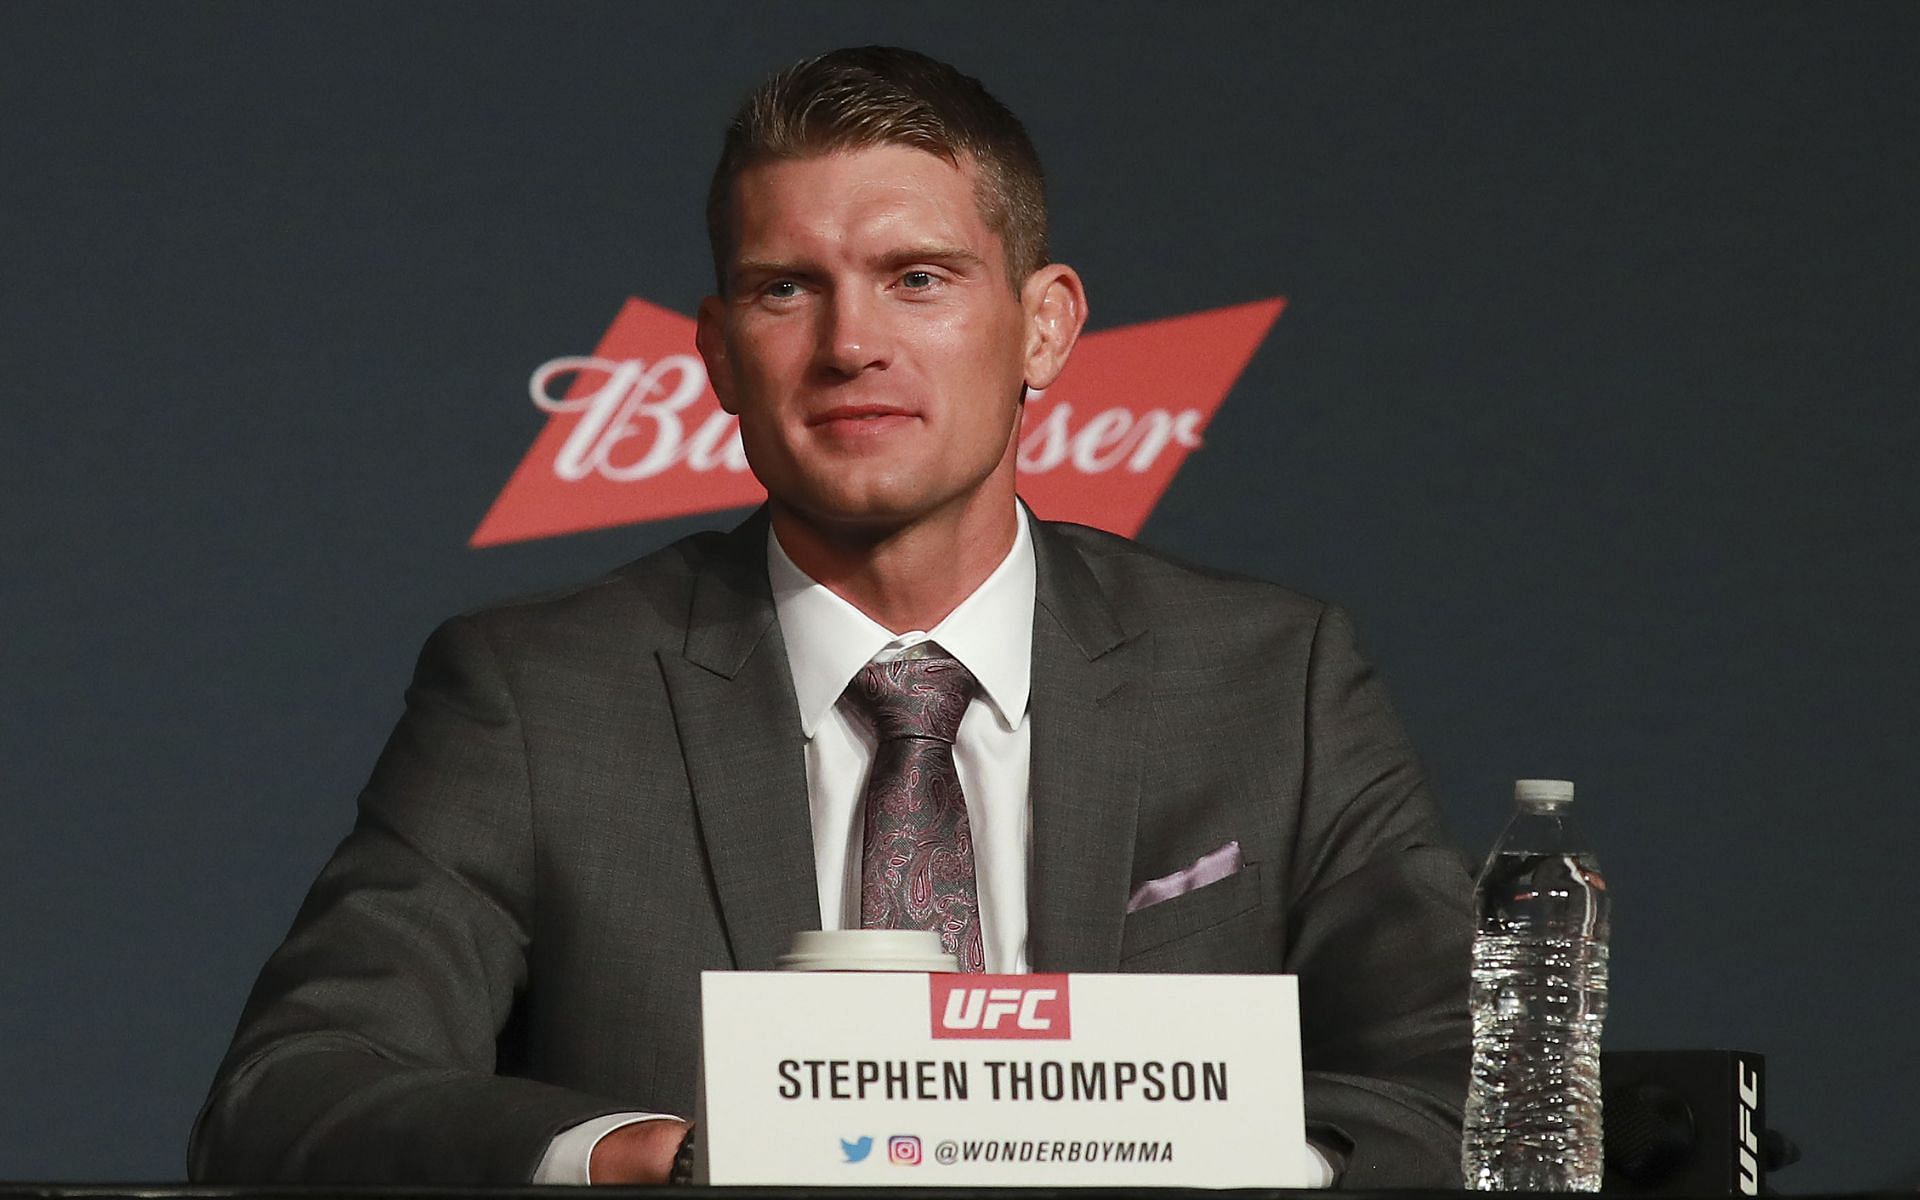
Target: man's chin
{"x":856,"y":510}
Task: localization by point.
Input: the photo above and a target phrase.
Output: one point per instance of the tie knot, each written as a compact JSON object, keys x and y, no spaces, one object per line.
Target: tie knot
{"x":913,"y":697}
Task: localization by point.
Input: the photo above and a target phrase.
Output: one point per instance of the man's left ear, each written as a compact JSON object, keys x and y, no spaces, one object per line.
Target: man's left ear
{"x":1056,"y":307}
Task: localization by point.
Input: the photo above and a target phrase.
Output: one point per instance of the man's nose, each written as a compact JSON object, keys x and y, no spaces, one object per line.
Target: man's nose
{"x":853,"y":336}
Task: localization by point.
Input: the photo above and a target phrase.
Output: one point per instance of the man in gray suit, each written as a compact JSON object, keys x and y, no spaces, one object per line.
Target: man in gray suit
{"x":596,"y":795}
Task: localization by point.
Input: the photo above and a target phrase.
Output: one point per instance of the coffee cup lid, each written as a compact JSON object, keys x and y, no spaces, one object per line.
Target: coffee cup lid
{"x":866,"y":950}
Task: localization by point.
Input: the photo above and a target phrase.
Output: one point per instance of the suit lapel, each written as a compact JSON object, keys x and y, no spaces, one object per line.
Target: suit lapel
{"x":1089,"y":712}
{"x":739,"y":730}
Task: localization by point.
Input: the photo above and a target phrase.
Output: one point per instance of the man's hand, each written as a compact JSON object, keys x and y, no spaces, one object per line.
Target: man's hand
{"x":638,"y":1153}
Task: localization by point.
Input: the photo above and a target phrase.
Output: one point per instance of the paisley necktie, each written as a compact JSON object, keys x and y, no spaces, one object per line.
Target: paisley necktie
{"x":917,"y":855}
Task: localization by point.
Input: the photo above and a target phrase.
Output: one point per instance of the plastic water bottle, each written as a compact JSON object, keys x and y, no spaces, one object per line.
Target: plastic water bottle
{"x":1539,"y":999}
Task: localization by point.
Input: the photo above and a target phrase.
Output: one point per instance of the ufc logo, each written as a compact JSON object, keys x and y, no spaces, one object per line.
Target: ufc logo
{"x":983,"y":1008}
{"x":1747,"y":1080}
{"x":999,"y":1006}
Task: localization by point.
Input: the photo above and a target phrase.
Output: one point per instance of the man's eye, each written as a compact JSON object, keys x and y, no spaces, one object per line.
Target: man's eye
{"x":782,"y":289}
{"x":916,"y":280}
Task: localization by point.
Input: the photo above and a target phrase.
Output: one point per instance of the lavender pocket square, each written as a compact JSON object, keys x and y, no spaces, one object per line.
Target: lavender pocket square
{"x":1211,"y":867}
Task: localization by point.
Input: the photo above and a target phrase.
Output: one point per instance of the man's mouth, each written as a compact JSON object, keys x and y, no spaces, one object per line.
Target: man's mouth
{"x":858,"y":414}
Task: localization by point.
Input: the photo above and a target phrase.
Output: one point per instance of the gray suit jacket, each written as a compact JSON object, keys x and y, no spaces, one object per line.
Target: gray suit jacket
{"x":595,"y":795}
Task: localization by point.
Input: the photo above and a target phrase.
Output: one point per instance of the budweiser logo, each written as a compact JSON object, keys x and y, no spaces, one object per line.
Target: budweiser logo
{"x":634,"y":433}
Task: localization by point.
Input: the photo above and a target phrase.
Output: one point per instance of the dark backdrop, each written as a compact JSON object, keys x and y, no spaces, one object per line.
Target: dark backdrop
{"x":1595,"y":400}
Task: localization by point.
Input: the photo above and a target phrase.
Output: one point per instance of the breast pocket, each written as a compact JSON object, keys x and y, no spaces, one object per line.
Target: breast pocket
{"x":1156,"y":928}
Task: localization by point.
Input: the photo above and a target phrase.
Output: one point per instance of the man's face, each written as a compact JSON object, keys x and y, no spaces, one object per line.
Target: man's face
{"x":870,"y":341}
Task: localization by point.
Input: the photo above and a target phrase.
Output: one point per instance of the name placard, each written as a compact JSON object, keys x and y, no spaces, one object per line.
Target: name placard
{"x":1010,"y":1080}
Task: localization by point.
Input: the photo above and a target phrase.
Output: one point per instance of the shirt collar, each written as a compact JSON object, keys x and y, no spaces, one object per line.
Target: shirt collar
{"x":828,"y":639}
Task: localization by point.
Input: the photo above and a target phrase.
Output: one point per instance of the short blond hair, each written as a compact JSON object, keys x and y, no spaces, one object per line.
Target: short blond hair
{"x":868,"y":96}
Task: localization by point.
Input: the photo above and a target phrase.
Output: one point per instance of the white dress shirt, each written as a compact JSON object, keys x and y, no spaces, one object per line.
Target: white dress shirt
{"x":991,"y":633}
{"x":828,"y":641}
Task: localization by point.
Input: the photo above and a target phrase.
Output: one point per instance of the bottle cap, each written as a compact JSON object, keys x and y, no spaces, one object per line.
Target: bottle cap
{"x":1550,"y":792}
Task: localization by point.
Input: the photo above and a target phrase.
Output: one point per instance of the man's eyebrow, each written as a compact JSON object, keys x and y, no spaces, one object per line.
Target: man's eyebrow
{"x":764,"y":266}
{"x":937,"y":253}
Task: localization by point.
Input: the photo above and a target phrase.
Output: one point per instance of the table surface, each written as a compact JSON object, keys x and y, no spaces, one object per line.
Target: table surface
{"x":177,"y":1191}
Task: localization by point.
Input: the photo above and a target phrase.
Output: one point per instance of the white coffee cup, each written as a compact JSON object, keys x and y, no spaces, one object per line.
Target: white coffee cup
{"x":866,"y":950}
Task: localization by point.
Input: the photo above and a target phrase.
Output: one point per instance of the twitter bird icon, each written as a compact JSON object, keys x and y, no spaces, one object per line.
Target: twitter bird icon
{"x":856,"y":1151}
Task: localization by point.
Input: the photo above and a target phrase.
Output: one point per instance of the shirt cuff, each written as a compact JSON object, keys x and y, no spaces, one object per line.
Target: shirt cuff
{"x":1323,"y":1159}
{"x":571,"y":1151}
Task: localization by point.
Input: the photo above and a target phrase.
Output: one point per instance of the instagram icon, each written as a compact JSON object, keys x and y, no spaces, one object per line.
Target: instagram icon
{"x":903,"y":1150}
